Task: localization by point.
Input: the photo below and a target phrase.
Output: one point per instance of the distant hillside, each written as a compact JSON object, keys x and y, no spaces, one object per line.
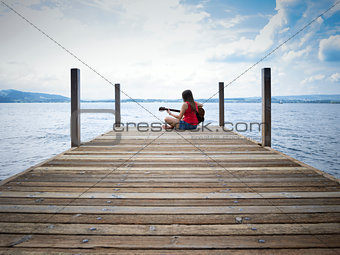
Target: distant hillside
{"x":328,"y":99}
{"x":16,"y":96}
{"x":307,"y":99}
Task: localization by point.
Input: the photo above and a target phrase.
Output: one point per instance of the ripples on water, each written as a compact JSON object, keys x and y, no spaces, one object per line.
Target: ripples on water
{"x":31,"y":133}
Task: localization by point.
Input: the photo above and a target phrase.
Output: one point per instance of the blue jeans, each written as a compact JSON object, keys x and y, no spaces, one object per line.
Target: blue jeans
{"x":186,"y":126}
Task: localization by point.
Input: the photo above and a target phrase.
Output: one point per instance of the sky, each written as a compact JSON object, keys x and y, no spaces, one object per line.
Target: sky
{"x":157,"y":49}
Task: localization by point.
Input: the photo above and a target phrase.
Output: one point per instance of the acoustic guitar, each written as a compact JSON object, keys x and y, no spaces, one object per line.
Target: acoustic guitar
{"x":200,"y":114}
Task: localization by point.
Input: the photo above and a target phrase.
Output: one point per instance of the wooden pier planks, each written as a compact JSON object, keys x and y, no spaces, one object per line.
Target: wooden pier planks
{"x":153,"y":193}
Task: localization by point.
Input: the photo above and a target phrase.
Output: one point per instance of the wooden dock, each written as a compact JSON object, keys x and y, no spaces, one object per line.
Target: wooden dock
{"x":168,"y":193}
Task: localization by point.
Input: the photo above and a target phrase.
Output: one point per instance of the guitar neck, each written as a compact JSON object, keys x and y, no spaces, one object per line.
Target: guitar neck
{"x":174,"y":110}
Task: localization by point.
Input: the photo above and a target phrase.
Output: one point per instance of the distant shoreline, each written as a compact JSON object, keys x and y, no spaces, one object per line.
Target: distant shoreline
{"x":165,"y":101}
{"x":16,"y":96}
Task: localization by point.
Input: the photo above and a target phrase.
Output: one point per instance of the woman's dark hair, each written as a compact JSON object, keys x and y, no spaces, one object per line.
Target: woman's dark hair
{"x":188,"y":97}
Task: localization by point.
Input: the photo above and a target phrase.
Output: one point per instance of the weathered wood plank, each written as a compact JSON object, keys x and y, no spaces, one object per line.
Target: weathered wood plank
{"x":109,"y":209}
{"x":170,"y":230}
{"x":166,"y":152}
{"x":170,"y":202}
{"x":176,"y":156}
{"x":111,"y":251}
{"x":112,"y":183}
{"x":113,"y":177}
{"x":177,"y":176}
{"x":150,"y":195}
{"x":251,"y":218}
{"x":221,"y":164}
{"x":242,"y":188}
{"x":172,"y":242}
{"x":192,"y":169}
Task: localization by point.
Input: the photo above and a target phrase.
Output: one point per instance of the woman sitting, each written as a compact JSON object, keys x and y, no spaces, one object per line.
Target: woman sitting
{"x":186,"y":119}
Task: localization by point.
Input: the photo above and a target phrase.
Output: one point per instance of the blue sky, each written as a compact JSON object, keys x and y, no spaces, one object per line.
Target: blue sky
{"x":156,"y":49}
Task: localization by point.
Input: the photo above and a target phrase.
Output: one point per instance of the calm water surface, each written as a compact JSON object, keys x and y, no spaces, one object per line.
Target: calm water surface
{"x":30,"y":133}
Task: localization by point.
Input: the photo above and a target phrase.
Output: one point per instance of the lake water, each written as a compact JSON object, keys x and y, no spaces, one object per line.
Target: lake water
{"x":31,"y":133}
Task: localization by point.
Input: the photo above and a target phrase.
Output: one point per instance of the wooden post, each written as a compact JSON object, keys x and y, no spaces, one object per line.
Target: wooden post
{"x":221,"y":102}
{"x":117,"y":105}
{"x":266,"y":107}
{"x":75,"y":107}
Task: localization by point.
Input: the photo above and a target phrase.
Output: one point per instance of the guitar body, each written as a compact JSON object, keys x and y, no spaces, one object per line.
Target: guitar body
{"x":201,"y":111}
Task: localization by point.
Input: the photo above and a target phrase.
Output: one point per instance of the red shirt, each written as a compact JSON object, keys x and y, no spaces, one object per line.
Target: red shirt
{"x":190,"y":115}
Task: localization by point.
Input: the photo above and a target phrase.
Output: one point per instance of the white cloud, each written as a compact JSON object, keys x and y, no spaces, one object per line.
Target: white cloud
{"x":329,"y":48}
{"x":334,"y":10}
{"x":229,"y":23}
{"x":311,"y":79}
{"x":284,"y":30}
{"x":335,"y":77}
{"x":262,"y":41}
{"x":306,"y":37}
{"x":288,"y":56}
